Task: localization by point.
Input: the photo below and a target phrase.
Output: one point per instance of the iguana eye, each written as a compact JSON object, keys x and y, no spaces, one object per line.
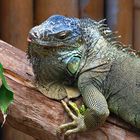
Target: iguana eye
{"x":62,"y":35}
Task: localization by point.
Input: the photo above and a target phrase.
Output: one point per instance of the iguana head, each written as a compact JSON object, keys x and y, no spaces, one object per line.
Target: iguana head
{"x":56,"y":31}
{"x":59,"y":32}
{"x":55,"y":47}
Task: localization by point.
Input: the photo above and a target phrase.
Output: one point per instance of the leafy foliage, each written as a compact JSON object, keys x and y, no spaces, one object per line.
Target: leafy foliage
{"x":80,"y":110}
{"x":6,"y":94}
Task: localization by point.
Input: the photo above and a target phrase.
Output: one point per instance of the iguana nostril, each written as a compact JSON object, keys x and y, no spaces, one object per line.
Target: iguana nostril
{"x":35,"y":34}
{"x":32,"y":36}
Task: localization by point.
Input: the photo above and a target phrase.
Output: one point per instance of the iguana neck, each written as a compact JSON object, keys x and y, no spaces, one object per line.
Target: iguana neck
{"x":52,"y":64}
{"x":101,"y":41}
{"x":102,"y":49}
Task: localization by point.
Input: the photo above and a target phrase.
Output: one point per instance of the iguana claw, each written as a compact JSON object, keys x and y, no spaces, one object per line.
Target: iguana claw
{"x":77,"y":125}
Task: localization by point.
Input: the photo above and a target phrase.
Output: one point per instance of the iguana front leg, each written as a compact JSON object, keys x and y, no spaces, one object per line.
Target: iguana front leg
{"x":96,"y":112}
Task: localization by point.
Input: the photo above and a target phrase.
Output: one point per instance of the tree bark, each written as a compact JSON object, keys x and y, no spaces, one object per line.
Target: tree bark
{"x":36,"y":115}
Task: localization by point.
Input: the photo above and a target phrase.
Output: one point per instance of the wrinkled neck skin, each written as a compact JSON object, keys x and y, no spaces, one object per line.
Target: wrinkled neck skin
{"x":50,"y":65}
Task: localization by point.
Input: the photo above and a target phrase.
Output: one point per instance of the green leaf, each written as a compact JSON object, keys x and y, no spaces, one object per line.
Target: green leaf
{"x":82,"y":109}
{"x":6,"y":94}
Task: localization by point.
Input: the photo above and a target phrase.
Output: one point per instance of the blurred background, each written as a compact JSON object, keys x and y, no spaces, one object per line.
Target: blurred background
{"x":18,"y":16}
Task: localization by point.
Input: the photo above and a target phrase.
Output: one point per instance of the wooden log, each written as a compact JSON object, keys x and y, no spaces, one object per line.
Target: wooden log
{"x":45,"y":8}
{"x":16,"y":21}
{"x":121,"y":19}
{"x":92,"y":8}
{"x":10,"y":133}
{"x":38,"y":116}
{"x":136,"y":19}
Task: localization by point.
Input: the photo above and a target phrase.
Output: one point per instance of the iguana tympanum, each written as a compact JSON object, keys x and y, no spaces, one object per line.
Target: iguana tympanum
{"x":85,"y":53}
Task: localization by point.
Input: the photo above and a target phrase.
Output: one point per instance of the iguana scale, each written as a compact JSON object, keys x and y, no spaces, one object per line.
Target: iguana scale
{"x":67,"y":51}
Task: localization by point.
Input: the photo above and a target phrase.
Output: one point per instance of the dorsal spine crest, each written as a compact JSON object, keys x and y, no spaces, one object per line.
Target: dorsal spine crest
{"x":112,"y":38}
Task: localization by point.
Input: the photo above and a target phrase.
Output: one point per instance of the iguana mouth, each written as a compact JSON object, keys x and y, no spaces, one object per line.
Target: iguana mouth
{"x":42,"y":47}
{"x":45,"y":47}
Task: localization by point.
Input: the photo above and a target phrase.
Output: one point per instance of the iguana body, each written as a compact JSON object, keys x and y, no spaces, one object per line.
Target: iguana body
{"x":85,"y":53}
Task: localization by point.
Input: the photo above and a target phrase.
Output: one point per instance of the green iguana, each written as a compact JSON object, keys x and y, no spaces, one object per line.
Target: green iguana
{"x":67,"y":51}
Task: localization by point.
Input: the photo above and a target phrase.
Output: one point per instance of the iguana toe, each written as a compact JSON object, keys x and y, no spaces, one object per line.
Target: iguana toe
{"x":77,"y":125}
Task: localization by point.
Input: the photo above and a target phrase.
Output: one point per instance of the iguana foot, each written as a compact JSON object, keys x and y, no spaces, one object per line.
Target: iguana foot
{"x":78,"y":123}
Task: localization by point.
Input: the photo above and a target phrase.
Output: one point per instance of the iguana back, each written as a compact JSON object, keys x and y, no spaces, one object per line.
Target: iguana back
{"x":122,"y":89}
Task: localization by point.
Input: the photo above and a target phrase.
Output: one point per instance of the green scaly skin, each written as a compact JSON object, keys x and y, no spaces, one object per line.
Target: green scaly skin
{"x":85,"y":53}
